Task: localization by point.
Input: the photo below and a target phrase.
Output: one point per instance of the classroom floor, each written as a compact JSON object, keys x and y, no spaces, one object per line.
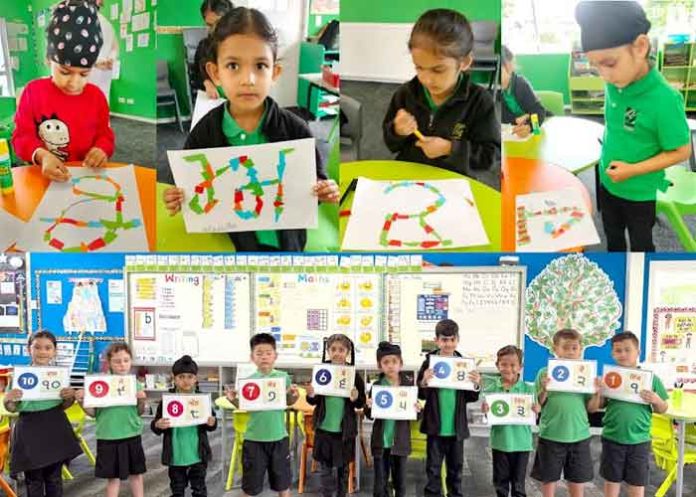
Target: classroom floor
{"x":135,"y":142}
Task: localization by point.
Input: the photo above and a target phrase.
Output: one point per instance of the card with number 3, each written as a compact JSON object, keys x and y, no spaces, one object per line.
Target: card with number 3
{"x":510,"y":409}
{"x":262,"y":394}
{"x":573,"y":376}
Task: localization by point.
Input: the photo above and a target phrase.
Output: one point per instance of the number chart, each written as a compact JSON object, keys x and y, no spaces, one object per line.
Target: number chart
{"x":262,"y":394}
{"x":394,"y":402}
{"x":625,"y":383}
{"x":109,"y":390}
{"x":186,"y":409}
{"x":510,"y":409}
{"x":574,"y":376}
{"x":333,"y":380}
{"x":452,"y":372}
{"x":40,"y":383}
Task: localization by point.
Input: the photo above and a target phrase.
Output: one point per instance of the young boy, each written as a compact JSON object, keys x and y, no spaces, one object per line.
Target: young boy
{"x":564,"y":429}
{"x":444,"y":417}
{"x":185,"y":450}
{"x":266,"y":447}
{"x":646,"y":128}
{"x":626,"y":433}
{"x":63,"y":118}
{"x":510,"y":444}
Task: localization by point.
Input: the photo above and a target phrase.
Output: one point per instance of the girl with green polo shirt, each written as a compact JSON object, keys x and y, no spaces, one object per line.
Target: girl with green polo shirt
{"x":43,"y":439}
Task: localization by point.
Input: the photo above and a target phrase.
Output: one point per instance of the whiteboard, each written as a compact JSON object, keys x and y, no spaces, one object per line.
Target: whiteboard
{"x":204,"y":315}
{"x":486,"y":302}
{"x":376,"y":52}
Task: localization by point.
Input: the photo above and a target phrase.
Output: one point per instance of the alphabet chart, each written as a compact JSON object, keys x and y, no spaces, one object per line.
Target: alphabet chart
{"x":186,"y":409}
{"x":108,"y":390}
{"x":394,"y":402}
{"x":452,"y":372}
{"x":625,"y":383}
{"x":40,"y":382}
{"x":574,"y":376}
{"x":510,"y":409}
{"x":333,"y":380}
{"x":262,"y":394}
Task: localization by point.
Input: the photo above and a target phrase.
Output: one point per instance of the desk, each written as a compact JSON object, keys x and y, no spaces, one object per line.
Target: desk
{"x":572,"y":143}
{"x":30,"y":186}
{"x":685,"y":413}
{"x":487,"y":199}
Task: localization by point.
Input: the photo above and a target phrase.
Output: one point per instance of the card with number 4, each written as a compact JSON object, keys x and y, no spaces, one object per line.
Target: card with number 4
{"x":394,"y":402}
{"x":40,"y":382}
{"x":109,"y":390}
{"x":575,"y":376}
{"x":510,"y":409}
{"x":625,"y":383}
{"x":452,"y":372}
{"x":186,"y":409}
{"x":333,"y":380}
{"x":262,"y":394}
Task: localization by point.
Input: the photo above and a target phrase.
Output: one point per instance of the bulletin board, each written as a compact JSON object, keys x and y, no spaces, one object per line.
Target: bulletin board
{"x":13,"y":294}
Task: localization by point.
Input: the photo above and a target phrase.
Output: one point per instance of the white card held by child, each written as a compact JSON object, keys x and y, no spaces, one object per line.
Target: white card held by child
{"x":333,"y":380}
{"x":626,"y":383}
{"x":109,"y":390}
{"x":262,"y":394}
{"x":452,"y":372}
{"x":186,"y":409}
{"x":510,"y":409}
{"x":394,"y":402}
{"x":40,"y":382}
{"x":574,"y":376}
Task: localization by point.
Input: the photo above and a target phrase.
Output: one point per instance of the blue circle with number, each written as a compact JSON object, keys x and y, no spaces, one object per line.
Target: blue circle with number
{"x":560,"y":373}
{"x":442,"y":370}
{"x":384,"y":399}
{"x":323,"y":377}
{"x":27,"y":381}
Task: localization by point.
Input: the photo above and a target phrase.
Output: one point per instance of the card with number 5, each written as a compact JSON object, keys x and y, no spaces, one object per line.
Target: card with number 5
{"x":575,"y":376}
{"x":186,"y":409}
{"x":262,"y":394}
{"x":452,"y":372}
{"x":333,"y":380}
{"x":625,"y":383}
{"x":109,"y":390}
{"x":394,"y":402}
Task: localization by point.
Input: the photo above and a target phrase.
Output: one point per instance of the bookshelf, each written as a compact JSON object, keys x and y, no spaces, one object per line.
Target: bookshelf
{"x":678,"y":66}
{"x":585,"y":86}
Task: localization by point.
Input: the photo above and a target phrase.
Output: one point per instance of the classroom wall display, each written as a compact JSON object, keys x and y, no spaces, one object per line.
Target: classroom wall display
{"x":13,"y":293}
{"x":40,"y":382}
{"x":626,"y":383}
{"x":262,"y":394}
{"x":186,"y":409}
{"x":248,"y":188}
{"x":510,"y":409}
{"x":567,"y":375}
{"x":109,"y":390}
{"x":413,"y":215}
{"x":394,"y":402}
{"x":486,"y":302}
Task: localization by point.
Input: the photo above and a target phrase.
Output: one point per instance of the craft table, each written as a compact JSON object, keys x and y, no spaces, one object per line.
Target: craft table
{"x":682,"y":414}
{"x":486,"y":198}
{"x":572,"y":143}
{"x":30,"y":186}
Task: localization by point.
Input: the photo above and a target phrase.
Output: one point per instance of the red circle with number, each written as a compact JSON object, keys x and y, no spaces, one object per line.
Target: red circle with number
{"x":175,"y":409}
{"x":99,"y":389}
{"x":251,"y":391}
{"x":613,"y":380}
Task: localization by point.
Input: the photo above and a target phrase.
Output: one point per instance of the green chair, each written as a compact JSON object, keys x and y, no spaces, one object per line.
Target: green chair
{"x":552,"y":101}
{"x":678,"y":201}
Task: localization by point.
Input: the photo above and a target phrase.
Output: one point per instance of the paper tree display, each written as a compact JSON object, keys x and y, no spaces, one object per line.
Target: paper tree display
{"x":85,"y":311}
{"x":250,"y":188}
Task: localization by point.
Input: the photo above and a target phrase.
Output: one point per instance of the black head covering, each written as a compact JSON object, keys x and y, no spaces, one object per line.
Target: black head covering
{"x":385,"y":348}
{"x":74,"y":35}
{"x":610,"y":23}
{"x":184,"y":365}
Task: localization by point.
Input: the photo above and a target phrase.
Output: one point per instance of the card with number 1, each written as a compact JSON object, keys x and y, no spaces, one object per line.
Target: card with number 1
{"x":574,"y":376}
{"x":262,"y":394}
{"x":626,"y":383}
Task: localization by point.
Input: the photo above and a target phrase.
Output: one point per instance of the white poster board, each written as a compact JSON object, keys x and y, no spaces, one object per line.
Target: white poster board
{"x":394,"y":402}
{"x":625,"y":383}
{"x":510,"y":409}
{"x":40,"y":382}
{"x":186,"y":409}
{"x":109,"y":390}
{"x":452,"y":372}
{"x":571,"y":376}
{"x":333,"y":380}
{"x":262,"y":394}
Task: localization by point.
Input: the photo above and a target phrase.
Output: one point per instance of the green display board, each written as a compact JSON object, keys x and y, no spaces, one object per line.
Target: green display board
{"x":179,"y":13}
{"x":548,"y":72}
{"x":409,"y":10}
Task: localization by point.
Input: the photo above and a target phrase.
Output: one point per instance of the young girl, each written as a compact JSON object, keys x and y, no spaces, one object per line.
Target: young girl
{"x":335,"y":421}
{"x":519,"y":100}
{"x":243,"y":60}
{"x":120,"y":453}
{"x":63,"y":118}
{"x":440,"y":117}
{"x":211,"y":12}
{"x":43,"y":439}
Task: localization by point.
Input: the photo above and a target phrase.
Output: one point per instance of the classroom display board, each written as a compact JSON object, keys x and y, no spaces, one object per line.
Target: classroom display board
{"x":486,"y":302}
{"x":13,"y":293}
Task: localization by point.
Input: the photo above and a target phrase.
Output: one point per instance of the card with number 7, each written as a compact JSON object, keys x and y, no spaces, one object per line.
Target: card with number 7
{"x":574,"y":376}
{"x":262,"y":394}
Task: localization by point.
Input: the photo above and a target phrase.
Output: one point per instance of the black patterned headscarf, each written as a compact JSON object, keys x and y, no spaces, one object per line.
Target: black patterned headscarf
{"x":74,"y":34}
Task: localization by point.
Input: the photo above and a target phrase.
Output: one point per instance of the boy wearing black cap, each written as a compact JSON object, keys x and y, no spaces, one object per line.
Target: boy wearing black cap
{"x":444,"y":417}
{"x":63,"y":118}
{"x":185,"y":450}
{"x":646,"y":129}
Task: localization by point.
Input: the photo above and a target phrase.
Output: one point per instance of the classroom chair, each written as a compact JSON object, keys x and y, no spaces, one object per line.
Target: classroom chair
{"x":76,"y":415}
{"x":419,"y":445}
{"x":665,"y":450}
{"x":4,"y":455}
{"x":552,"y":101}
{"x":240,"y":420}
{"x":166,"y":95}
{"x":677,"y":201}
{"x":692,"y":129}
{"x":485,"y":57}
{"x":352,"y":128}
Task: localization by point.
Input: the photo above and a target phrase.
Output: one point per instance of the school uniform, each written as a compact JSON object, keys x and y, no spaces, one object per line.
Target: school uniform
{"x":519,"y":99}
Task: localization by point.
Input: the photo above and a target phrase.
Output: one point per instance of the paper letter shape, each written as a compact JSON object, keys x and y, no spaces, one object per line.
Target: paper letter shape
{"x":452,"y":372}
{"x":248,"y":188}
{"x":262,"y":394}
{"x":203,"y":106}
{"x":625,"y":383}
{"x":109,"y":390}
{"x":510,"y":409}
{"x":333,"y":380}
{"x":394,"y":402}
{"x":186,"y":409}
{"x":571,"y":376}
{"x":40,"y":382}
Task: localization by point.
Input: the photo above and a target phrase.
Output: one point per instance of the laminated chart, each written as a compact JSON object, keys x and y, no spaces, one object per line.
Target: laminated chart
{"x":247,"y":188}
{"x":671,"y":344}
{"x":301,"y":309}
{"x":413,"y":215}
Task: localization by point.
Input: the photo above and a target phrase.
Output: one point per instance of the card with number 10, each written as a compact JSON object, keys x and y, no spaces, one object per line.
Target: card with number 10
{"x":574,"y":376}
{"x":333,"y":380}
{"x":626,"y":383}
{"x":262,"y":394}
{"x":40,"y":382}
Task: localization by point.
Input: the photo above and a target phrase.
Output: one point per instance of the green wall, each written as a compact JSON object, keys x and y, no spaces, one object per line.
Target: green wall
{"x":170,"y":47}
{"x":409,"y":10}
{"x":179,"y":13}
{"x":546,"y":72}
{"x":17,"y":11}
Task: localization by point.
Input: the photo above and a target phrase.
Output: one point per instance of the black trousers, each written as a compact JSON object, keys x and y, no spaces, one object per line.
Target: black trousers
{"x":333,"y":480}
{"x":181,"y":476}
{"x":44,"y":482}
{"x":385,"y":465}
{"x":452,"y":452}
{"x":509,"y":472}
{"x":619,"y":215}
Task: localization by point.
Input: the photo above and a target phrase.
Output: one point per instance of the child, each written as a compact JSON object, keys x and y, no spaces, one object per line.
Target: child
{"x":564,"y":429}
{"x":455,"y":119}
{"x":645,"y":125}
{"x":211,"y":12}
{"x":244,"y":50}
{"x":185,"y":450}
{"x":65,"y":118}
{"x":120,"y":453}
{"x":519,"y":100}
{"x":266,"y":447}
{"x":626,"y":432}
{"x":444,"y":417}
{"x":510,"y":444}
{"x":43,"y":439}
{"x":335,"y":421}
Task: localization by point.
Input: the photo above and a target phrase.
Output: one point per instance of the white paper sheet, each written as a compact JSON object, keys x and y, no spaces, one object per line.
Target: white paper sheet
{"x":510,"y":409}
{"x":186,"y":409}
{"x":11,"y":229}
{"x":203,"y":106}
{"x":394,"y":402}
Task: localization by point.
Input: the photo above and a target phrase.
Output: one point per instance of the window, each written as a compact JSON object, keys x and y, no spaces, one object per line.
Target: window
{"x":6,"y":88}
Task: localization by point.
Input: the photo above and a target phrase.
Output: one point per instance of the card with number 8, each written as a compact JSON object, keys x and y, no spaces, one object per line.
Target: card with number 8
{"x":333,"y":380}
{"x":186,"y":409}
{"x":625,"y":383}
{"x":262,"y":394}
{"x":109,"y":390}
{"x":575,"y":376}
{"x":452,"y":372}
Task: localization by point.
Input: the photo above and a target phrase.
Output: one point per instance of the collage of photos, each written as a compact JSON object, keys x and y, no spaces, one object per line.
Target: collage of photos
{"x":387,"y":248}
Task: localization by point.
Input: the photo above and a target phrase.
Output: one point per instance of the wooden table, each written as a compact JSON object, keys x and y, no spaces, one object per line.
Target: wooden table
{"x":682,"y":414}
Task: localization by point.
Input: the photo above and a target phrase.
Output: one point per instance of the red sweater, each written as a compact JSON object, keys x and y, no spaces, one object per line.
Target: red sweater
{"x":67,"y":125}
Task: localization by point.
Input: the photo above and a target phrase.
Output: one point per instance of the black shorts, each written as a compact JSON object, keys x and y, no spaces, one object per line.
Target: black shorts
{"x":572,"y":460}
{"x":120,"y":458}
{"x":259,"y":457}
{"x":622,"y":462}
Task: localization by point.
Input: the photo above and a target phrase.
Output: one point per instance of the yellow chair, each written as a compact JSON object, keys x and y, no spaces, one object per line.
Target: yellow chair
{"x":4,"y":455}
{"x":240,"y":420}
{"x":665,"y":450}
{"x":419,"y":446}
{"x":76,"y":415}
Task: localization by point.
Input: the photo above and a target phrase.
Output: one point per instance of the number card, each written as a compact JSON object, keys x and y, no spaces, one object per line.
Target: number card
{"x":109,"y":390}
{"x":452,"y":372}
{"x":333,"y":380}
{"x":394,"y":402}
{"x":510,"y":409}
{"x":262,"y":394}
{"x":626,"y":383}
{"x":571,"y":376}
{"x":186,"y":409}
{"x":40,"y":382}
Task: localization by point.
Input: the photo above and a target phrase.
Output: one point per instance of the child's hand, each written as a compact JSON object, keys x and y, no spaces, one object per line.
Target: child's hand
{"x":368,"y":403}
{"x":141,"y":395}
{"x":211,"y":90}
{"x":522,"y":130}
{"x":651,"y":397}
{"x":536,"y":408}
{"x":327,"y":191}
{"x":598,"y":384}
{"x":484,"y":407}
{"x":419,"y":407}
{"x":53,"y":168}
{"x":231,"y":394}
{"x":14,"y":395}
{"x":173,"y":198}
{"x":544,"y":383}
{"x":67,"y":394}
{"x":211,"y":421}
{"x":163,"y":424}
{"x":80,"y":395}
{"x":475,"y":377}
{"x":404,"y":123}
{"x":96,"y":157}
{"x":353,"y":394}
{"x":427,"y":376}
{"x":293,"y":390}
{"x":620,"y":171}
{"x":434,"y":146}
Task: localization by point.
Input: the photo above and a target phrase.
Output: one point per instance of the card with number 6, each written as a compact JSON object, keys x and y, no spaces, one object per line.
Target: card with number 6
{"x":186,"y":409}
{"x":575,"y":376}
{"x":452,"y":372}
{"x":262,"y":394}
{"x":333,"y":380}
{"x":394,"y":402}
{"x":625,"y":383}
{"x":510,"y":409}
{"x":40,"y":382}
{"x":109,"y":390}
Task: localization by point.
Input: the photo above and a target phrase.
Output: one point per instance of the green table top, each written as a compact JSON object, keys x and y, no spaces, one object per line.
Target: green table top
{"x":487,"y":199}
{"x":686,"y":410}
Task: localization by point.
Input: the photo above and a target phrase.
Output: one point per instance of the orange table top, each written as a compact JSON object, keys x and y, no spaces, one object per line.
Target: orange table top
{"x":521,"y":176}
{"x":30,"y":186}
